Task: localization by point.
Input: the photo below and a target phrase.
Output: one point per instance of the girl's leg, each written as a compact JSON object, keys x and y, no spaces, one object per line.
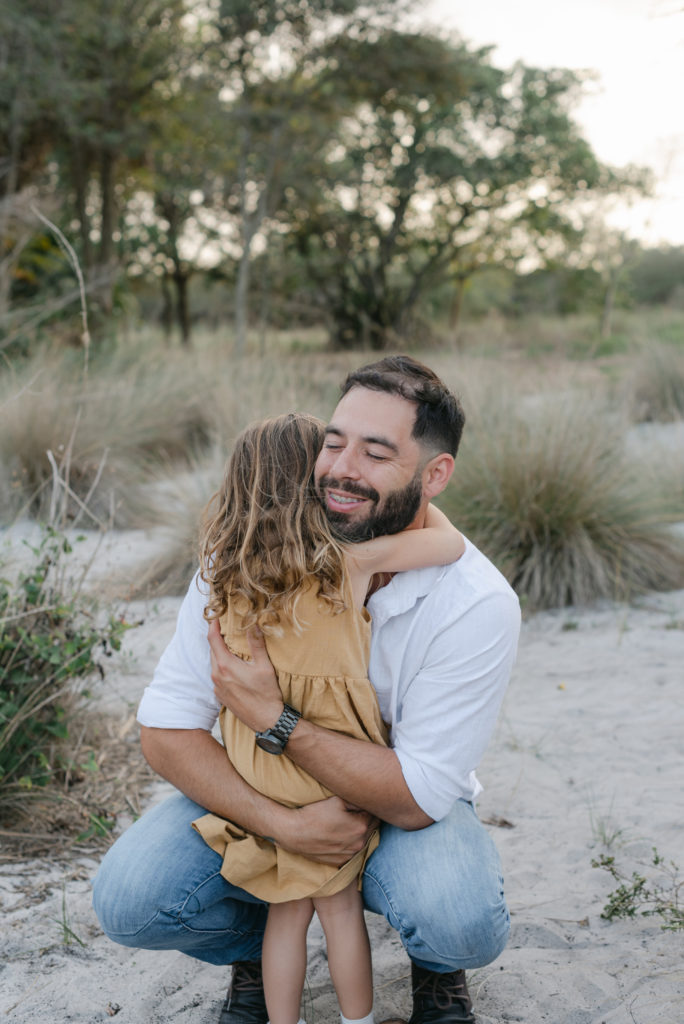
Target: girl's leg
{"x":284,"y":959}
{"x":349,"y":955}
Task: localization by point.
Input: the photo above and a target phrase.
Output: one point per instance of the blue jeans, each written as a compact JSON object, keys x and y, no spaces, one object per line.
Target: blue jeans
{"x":160,"y":887}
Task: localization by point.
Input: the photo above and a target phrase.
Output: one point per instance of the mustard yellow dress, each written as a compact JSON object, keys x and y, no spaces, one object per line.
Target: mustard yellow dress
{"x":322,"y":672}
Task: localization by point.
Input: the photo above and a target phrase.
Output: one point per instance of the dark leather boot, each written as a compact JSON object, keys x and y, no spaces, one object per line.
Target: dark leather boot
{"x":440,"y":998}
{"x":245,"y":1003}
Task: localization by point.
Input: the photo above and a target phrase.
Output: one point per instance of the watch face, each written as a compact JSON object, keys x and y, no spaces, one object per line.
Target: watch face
{"x":270,"y":743}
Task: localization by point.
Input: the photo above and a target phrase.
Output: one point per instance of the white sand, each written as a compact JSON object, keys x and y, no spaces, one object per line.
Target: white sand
{"x":589,"y":749}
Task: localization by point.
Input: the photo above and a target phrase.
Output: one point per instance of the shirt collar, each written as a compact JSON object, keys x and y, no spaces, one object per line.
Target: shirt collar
{"x":402,"y":592}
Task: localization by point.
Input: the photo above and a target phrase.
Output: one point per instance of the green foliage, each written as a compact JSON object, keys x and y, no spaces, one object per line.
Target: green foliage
{"x":657,"y":276}
{"x":172,"y":139}
{"x":546,"y":490}
{"x":49,"y":645}
{"x":636,"y":895}
{"x":557,"y":289}
{"x":442,"y":164}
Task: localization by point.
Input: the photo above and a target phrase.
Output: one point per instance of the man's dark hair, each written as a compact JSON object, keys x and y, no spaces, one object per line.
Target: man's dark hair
{"x":439,"y":416}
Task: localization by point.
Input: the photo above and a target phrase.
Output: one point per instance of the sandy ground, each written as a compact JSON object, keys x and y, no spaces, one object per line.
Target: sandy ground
{"x":586,"y":759}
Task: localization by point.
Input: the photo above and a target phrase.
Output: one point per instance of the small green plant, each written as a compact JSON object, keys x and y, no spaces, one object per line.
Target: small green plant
{"x":605,"y":830}
{"x":637,"y":896}
{"x":68,"y":934}
{"x":49,"y":642}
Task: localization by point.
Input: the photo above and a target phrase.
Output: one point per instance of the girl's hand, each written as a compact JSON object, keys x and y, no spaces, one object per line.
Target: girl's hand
{"x":247,"y":688}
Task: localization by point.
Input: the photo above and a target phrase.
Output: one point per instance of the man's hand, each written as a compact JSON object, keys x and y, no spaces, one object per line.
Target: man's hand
{"x":328,"y":831}
{"x":247,"y":688}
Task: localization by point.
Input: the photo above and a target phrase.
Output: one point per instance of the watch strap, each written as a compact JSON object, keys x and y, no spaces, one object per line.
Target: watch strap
{"x":282,"y":730}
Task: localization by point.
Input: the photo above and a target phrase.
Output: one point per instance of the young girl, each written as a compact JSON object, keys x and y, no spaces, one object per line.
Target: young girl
{"x":271,"y":562}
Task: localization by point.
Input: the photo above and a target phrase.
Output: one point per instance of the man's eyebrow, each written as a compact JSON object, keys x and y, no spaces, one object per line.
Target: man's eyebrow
{"x":383,"y":441}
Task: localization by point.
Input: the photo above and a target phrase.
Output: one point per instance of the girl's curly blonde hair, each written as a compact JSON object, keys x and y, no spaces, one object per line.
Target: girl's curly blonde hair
{"x":265,"y":533}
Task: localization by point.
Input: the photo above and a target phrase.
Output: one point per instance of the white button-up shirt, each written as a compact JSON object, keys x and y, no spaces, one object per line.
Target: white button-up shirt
{"x":443,"y":645}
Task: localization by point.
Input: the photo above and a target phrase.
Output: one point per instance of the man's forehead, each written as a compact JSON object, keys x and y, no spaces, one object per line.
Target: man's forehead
{"x":374,"y":416}
{"x":371,"y":405}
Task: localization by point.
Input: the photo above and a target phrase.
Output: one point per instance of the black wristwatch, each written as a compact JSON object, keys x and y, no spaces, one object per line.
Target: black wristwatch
{"x":274,"y":740}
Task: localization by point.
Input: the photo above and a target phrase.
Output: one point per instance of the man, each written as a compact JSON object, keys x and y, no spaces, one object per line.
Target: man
{"x":443,"y":646}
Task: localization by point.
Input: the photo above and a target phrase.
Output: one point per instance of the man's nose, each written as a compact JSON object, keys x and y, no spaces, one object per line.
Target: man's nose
{"x":346,"y":465}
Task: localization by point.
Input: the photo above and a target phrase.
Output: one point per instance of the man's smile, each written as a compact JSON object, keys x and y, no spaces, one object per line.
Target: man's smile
{"x":345,"y":499}
{"x":338,"y":500}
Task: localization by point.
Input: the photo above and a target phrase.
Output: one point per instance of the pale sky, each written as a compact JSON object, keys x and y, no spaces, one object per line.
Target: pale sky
{"x":634,"y":113}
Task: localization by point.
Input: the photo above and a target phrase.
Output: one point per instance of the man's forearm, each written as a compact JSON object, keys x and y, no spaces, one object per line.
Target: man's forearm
{"x":196,"y":764}
{"x":361,"y":773}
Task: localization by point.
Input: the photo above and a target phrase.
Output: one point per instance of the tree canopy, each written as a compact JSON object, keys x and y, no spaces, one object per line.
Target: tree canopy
{"x":169,"y":138}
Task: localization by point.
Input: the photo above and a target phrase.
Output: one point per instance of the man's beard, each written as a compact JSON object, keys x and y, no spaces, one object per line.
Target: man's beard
{"x":394,"y":514}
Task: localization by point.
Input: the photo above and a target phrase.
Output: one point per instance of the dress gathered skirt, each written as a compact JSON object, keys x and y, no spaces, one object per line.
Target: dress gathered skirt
{"x":322,"y":672}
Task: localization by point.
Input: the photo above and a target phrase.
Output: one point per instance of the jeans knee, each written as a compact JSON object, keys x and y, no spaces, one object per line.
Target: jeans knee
{"x":122,"y":907}
{"x":469,"y":935}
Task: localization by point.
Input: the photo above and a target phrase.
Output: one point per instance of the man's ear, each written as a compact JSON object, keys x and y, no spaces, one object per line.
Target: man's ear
{"x":437,"y":474}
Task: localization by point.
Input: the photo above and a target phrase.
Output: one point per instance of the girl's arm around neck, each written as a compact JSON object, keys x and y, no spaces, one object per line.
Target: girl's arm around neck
{"x":437,"y":543}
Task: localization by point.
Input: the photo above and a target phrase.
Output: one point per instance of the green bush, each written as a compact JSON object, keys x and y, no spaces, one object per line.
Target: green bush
{"x":545,"y":488}
{"x":49,"y":645}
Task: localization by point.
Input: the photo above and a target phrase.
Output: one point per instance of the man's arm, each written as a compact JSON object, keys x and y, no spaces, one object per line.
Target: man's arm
{"x":361,"y":773}
{"x":194,"y":762}
{"x":364,"y":774}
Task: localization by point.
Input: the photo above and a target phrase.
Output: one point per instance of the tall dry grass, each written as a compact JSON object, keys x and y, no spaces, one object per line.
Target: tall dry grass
{"x":656,"y":382}
{"x":112,"y":431}
{"x":141,"y":413}
{"x":542,"y":482}
{"x":547,"y":489}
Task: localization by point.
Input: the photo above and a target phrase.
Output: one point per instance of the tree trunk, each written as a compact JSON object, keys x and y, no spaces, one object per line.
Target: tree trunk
{"x":104,"y":283}
{"x":79,"y":171}
{"x":608,"y":306}
{"x":166,"y":315}
{"x":181,"y":280}
{"x":241,"y":300}
{"x":455,"y":312}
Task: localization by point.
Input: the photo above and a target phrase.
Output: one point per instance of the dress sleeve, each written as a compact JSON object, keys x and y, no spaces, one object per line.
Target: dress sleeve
{"x":449,"y":709}
{"x":181,"y":694}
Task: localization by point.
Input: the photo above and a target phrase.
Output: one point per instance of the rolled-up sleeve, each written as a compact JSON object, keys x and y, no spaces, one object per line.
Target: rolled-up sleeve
{"x":181,"y":694}
{"x":447,"y":712}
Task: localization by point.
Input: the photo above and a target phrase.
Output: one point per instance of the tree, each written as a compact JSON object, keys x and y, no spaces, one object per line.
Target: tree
{"x":441,"y":163}
{"x":26,"y":132}
{"x":263,"y":51}
{"x":108,"y":62}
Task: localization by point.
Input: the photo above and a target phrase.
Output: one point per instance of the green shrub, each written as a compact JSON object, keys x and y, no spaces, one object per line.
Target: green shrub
{"x":545,"y":488}
{"x":49,"y":645}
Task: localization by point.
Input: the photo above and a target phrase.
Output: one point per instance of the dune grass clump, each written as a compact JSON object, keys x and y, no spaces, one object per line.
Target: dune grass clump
{"x":103,"y":433}
{"x":546,"y":490}
{"x":658,"y":385}
{"x":176,"y":504}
